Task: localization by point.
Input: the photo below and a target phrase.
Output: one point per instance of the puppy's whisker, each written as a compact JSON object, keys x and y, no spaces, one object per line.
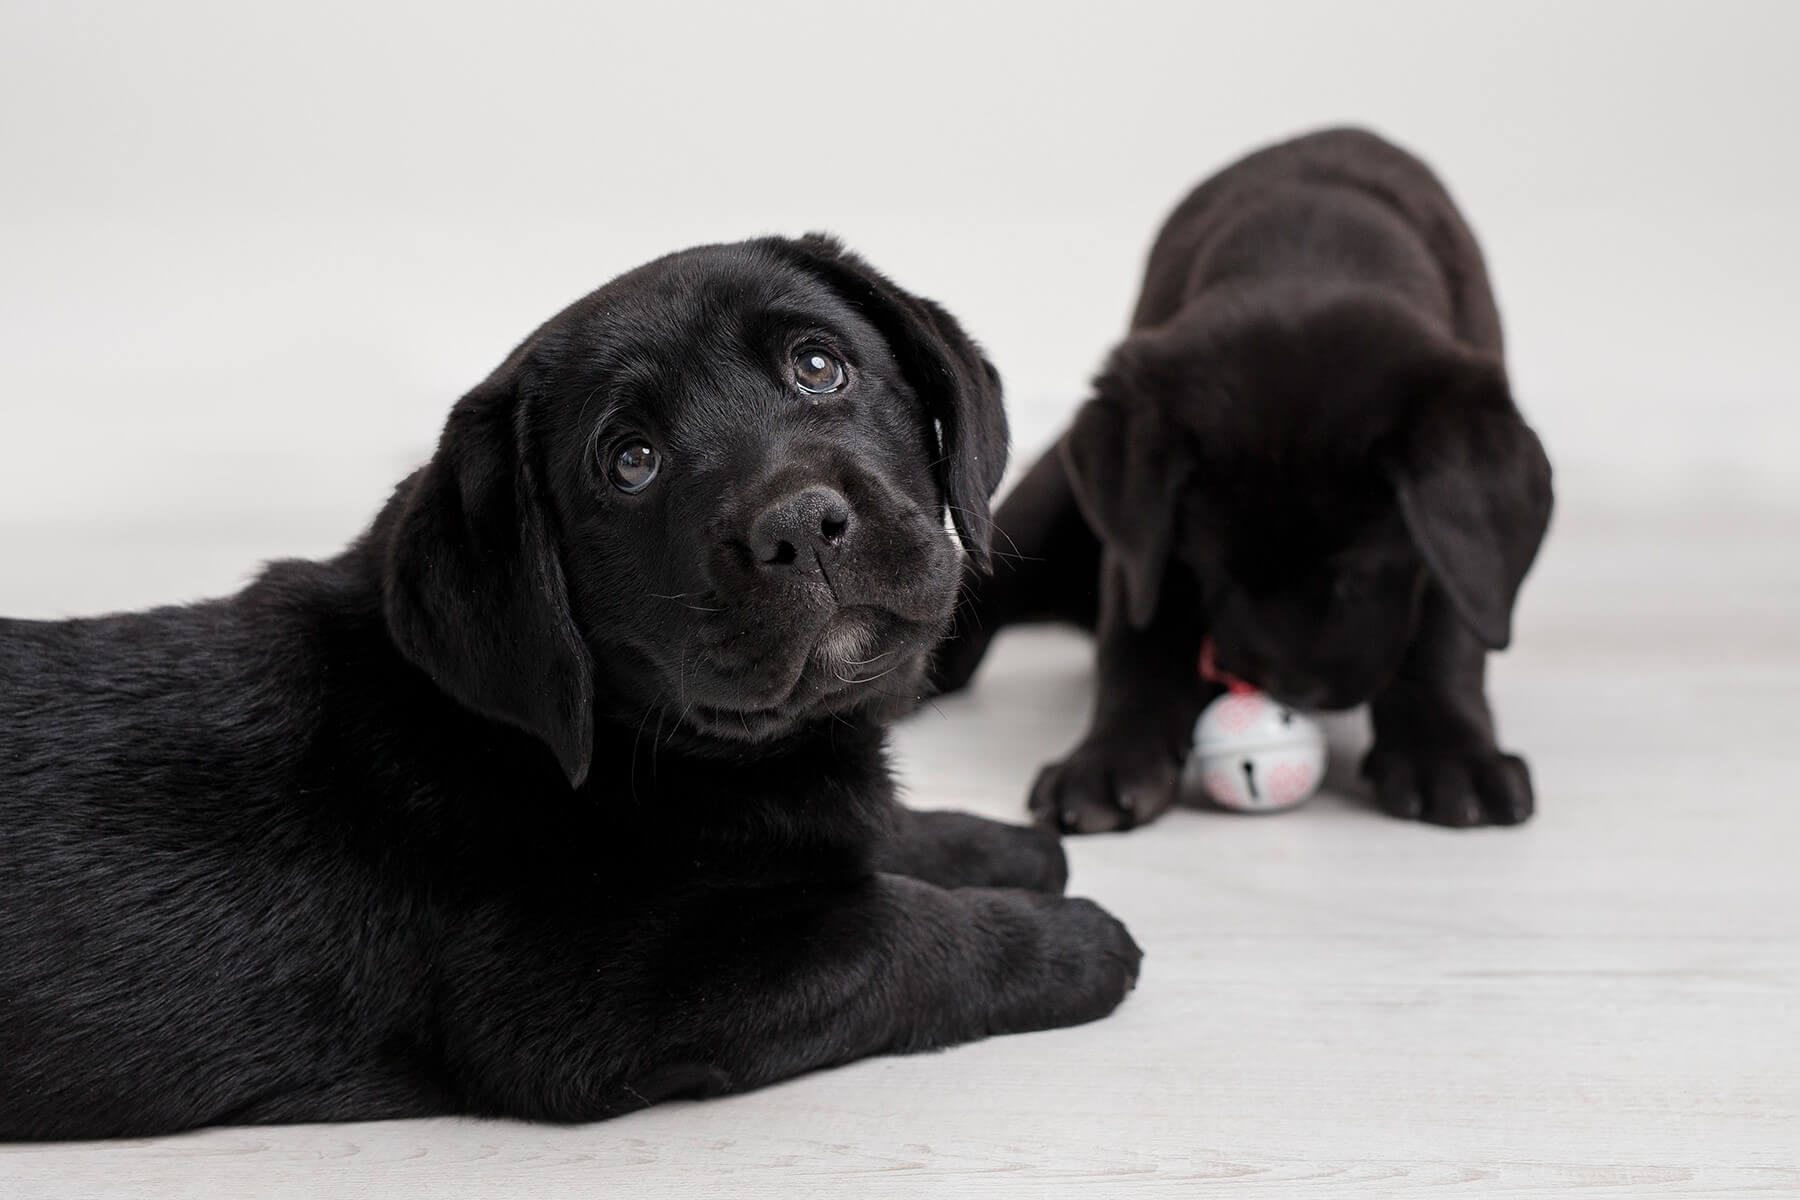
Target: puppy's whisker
{"x":661,"y":712}
{"x":966,"y":606}
{"x":678,"y":597}
{"x":871,"y":678}
{"x":973,"y":518}
{"x":863,"y":662}
{"x":684,"y":691}
{"x":1014,"y":555}
{"x":656,"y":707}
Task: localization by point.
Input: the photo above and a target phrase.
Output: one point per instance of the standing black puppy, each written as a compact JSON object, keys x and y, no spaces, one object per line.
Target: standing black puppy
{"x":1306,"y":454}
{"x":563,"y":790}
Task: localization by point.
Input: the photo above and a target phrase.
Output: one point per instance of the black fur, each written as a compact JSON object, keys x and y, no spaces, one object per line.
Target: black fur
{"x":544,"y":800}
{"x":1305,"y":450}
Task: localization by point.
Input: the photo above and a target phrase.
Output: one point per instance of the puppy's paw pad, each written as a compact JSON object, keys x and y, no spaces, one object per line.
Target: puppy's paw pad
{"x":1504,"y":785}
{"x":1086,"y":796}
{"x":1095,"y":790}
{"x":1458,"y":789}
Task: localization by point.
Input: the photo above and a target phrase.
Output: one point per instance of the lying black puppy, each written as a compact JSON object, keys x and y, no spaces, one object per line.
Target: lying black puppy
{"x":1305,"y":451}
{"x":563,"y":790}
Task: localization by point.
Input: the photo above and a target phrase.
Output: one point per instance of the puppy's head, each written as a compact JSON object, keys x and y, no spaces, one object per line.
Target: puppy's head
{"x":1310,"y":476}
{"x":711,"y":494}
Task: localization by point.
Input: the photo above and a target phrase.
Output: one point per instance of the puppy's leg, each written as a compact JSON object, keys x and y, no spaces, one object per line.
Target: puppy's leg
{"x":735,"y":990}
{"x":1126,"y":769}
{"x":952,"y":849}
{"x":1434,"y":757}
{"x":1046,"y":564}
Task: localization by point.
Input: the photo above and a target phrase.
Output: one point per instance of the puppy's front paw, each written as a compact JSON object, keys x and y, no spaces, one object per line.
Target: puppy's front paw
{"x":1087,"y":964}
{"x":1105,"y":786}
{"x":960,"y":850}
{"x":980,"y":853}
{"x":1455,"y":788}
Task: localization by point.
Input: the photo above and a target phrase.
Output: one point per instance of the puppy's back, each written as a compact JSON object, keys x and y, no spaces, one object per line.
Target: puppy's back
{"x":1302,"y":186}
{"x":165,"y":883}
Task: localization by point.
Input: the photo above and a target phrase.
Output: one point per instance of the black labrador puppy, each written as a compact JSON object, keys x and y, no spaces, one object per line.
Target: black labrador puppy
{"x":1304,"y":466}
{"x":564,"y":789}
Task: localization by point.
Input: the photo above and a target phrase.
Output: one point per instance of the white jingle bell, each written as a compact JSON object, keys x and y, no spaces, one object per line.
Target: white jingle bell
{"x":1251,"y":754}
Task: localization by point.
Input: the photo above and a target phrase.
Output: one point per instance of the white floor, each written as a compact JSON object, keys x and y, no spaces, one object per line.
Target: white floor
{"x":1334,"y":1004}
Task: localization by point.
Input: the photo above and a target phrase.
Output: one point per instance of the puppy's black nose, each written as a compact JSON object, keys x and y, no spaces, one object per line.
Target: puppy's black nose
{"x":796,"y":528}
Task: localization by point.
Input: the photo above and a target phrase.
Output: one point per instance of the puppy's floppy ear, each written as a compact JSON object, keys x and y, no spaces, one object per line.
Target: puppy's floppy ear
{"x":474,"y":590}
{"x":1127,"y":476}
{"x":1474,"y":488}
{"x":959,"y":387}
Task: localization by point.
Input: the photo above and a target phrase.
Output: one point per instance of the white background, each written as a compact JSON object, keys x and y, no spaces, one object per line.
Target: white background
{"x":250,"y":253}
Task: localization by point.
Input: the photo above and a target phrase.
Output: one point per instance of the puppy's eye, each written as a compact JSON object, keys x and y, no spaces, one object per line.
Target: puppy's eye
{"x":633,"y":464}
{"x":817,"y":371}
